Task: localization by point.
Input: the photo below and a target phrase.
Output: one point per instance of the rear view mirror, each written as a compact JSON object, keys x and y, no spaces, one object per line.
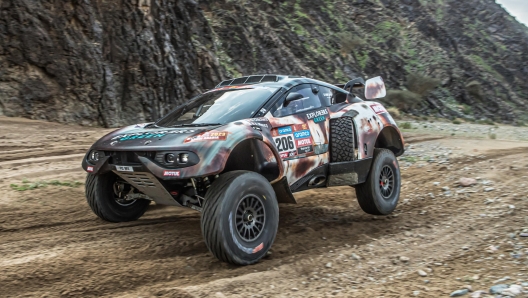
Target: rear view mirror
{"x":292,"y":97}
{"x":375,"y":88}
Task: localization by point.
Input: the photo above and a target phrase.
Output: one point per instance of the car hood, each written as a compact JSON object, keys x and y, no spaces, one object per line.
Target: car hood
{"x":137,"y":137}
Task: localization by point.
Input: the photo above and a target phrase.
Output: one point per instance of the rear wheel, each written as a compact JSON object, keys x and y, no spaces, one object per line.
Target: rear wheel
{"x":106,"y":196}
{"x":240,"y":217}
{"x":379,"y":195}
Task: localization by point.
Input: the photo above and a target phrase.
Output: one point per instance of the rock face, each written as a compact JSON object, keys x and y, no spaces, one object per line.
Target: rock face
{"x":111,"y":63}
{"x":102,"y":62}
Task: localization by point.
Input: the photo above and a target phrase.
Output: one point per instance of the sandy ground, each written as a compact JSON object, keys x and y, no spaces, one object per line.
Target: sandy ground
{"x":51,"y":244}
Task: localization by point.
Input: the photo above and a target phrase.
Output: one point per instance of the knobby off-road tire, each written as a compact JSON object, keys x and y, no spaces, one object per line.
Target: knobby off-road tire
{"x":342,"y":140}
{"x":225,"y":202}
{"x":379,"y":195}
{"x":102,"y":199}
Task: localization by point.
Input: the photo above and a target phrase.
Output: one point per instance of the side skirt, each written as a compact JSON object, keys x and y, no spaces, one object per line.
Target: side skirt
{"x":348,"y":172}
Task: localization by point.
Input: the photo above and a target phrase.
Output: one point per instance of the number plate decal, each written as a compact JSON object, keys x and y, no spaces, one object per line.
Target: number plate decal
{"x":124,"y":169}
{"x":285,"y":145}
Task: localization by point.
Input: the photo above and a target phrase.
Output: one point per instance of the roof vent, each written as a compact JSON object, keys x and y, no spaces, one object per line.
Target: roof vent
{"x":251,"y":80}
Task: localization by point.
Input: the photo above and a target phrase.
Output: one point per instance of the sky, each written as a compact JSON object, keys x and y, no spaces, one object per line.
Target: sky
{"x":517,"y":8}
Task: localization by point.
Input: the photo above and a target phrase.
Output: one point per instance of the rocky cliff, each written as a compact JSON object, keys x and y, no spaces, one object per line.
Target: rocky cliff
{"x":111,"y":63}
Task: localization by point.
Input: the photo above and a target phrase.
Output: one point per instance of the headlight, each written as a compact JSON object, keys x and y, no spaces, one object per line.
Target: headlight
{"x":94,"y":156}
{"x":184,"y":157}
{"x":169,"y":158}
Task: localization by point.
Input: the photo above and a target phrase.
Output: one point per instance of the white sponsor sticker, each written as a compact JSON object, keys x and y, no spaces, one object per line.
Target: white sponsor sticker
{"x":124,"y":169}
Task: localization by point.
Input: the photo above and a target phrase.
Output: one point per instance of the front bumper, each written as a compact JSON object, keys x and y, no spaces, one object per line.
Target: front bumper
{"x":145,"y":177}
{"x":146,"y":165}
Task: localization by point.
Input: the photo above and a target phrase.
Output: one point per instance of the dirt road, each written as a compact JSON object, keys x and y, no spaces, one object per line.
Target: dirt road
{"x":441,"y":238}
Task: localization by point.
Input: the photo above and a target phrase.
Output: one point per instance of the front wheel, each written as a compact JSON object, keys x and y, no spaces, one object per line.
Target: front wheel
{"x":105,"y":195}
{"x":240,"y":217}
{"x":379,"y":195}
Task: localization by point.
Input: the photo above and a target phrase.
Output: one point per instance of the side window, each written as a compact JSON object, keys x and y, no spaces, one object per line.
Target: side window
{"x":309,"y":101}
{"x":339,"y":97}
{"x":325,"y":95}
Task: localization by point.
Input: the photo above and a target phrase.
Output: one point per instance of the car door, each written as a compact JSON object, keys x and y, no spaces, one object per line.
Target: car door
{"x":300,"y":130}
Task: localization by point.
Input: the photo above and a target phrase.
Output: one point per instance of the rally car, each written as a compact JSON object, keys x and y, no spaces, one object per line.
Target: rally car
{"x":235,"y":152}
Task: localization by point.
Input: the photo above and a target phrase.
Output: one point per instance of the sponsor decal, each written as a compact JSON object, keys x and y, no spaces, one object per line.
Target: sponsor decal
{"x":289,"y":154}
{"x":171,"y":173}
{"x":285,"y":130}
{"x":208,"y":136}
{"x":378,"y":108}
{"x":312,"y":115}
{"x":89,"y":169}
{"x":298,"y":127}
{"x":258,"y":248}
{"x":319,"y":119}
{"x":304,"y":142}
{"x":305,"y":149}
{"x":124,"y":169}
{"x":259,"y":124}
{"x":302,"y":134}
{"x":150,"y":134}
{"x":141,"y":136}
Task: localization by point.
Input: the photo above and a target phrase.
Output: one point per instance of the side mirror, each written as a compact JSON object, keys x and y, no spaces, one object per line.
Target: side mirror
{"x":292,"y":97}
{"x":375,"y":88}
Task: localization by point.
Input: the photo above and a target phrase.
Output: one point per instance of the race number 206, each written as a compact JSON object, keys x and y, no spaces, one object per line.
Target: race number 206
{"x":285,"y":143}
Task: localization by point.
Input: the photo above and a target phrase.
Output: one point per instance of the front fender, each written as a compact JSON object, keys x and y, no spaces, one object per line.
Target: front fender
{"x":214,"y":154}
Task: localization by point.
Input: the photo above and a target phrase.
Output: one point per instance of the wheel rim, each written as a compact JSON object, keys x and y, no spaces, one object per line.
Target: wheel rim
{"x":120,"y":191}
{"x":386,"y":182}
{"x":250,"y":218}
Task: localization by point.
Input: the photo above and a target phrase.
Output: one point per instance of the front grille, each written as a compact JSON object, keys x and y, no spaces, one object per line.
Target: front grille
{"x":128,"y":157}
{"x":140,"y":180}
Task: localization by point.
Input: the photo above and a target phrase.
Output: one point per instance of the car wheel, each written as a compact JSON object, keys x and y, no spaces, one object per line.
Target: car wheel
{"x":105,"y":195}
{"x":240,"y":217}
{"x":342,"y":140}
{"x":379,"y":195}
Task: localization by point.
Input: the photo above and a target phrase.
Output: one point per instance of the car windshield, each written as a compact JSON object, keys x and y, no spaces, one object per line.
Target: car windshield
{"x":218,"y":107}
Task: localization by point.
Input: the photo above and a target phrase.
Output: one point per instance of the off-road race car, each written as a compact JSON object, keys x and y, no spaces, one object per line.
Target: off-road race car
{"x":235,"y":152}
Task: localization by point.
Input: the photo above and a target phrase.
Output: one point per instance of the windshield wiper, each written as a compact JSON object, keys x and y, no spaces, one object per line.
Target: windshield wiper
{"x":151,"y":125}
{"x":201,"y":124}
{"x":195,"y":124}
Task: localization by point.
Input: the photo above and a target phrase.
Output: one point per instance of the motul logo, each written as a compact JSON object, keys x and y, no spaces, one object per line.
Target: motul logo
{"x":171,"y":173}
{"x":304,"y":142}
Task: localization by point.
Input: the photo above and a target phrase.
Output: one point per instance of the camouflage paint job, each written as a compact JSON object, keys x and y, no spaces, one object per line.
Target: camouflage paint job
{"x":214,"y":144}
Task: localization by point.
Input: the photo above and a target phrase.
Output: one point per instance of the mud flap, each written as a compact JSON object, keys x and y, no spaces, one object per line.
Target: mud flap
{"x":283,"y":192}
{"x":348,"y":172}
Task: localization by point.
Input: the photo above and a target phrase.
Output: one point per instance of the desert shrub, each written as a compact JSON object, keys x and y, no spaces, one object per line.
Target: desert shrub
{"x":403,"y":99}
{"x":420,"y":84}
{"x":486,"y":121}
{"x":456,"y":121}
{"x":474,"y":89}
{"x":395,"y":113}
{"x":492,"y":136}
{"x":349,"y":42}
{"x":406,"y":125}
{"x":418,"y":87}
{"x":466,"y":109}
